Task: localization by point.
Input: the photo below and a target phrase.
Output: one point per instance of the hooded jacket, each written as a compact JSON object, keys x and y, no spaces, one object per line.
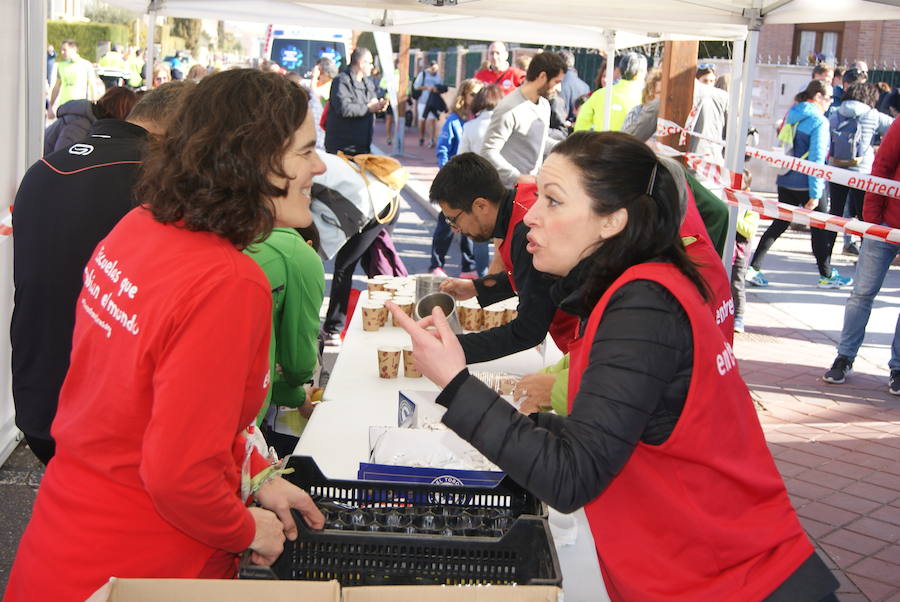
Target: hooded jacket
{"x":73,"y":120}
{"x":813,"y":137}
{"x":871,"y":124}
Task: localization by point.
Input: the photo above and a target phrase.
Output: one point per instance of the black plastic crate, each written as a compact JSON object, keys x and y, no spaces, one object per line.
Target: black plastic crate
{"x":507,"y":495}
{"x":524,"y":555}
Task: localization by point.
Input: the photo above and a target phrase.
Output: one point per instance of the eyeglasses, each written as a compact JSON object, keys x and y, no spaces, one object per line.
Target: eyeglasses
{"x":452,"y":220}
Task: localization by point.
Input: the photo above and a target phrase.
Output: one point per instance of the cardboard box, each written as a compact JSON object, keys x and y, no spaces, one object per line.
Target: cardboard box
{"x":418,"y":409}
{"x":215,"y":590}
{"x":454,"y":593}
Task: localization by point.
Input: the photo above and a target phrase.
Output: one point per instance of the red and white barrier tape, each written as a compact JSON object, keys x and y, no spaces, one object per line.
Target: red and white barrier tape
{"x":814,"y":219}
{"x":708,"y":170}
{"x":845,"y":177}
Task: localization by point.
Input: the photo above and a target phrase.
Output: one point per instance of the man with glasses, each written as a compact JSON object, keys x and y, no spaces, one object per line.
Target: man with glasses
{"x":476,"y":203}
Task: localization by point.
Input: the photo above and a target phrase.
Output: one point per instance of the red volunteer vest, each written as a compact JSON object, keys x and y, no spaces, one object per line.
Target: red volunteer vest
{"x":705,"y":515}
{"x":564,"y":327}
{"x":709,"y":263}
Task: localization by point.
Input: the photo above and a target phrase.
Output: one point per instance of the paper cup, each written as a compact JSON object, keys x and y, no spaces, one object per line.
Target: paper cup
{"x":383,"y":277}
{"x":383,"y":295}
{"x":383,"y":315}
{"x":409,"y":369}
{"x":474,"y":319}
{"x":510,"y":314}
{"x":374,"y":285}
{"x":406,"y":304}
{"x":493,"y":317}
{"x":388,"y":361}
{"x":371,"y":316}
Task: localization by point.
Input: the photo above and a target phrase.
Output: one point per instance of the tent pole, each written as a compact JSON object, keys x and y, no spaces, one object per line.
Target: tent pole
{"x":740,"y":145}
{"x":150,"y":53}
{"x":733,"y":160}
{"x":610,"y":38}
{"x":35,"y":46}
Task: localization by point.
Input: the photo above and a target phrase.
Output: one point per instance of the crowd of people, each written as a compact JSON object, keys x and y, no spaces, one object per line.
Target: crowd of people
{"x":159,"y":341}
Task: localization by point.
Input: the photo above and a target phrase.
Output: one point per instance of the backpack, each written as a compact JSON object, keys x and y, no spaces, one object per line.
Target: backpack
{"x":786,"y":135}
{"x":847,"y":146}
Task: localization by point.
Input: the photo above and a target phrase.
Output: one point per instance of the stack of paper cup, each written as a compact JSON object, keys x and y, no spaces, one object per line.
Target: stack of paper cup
{"x":374,"y":284}
{"x":511,"y":310}
{"x":406,"y":305}
{"x":494,"y":316}
{"x":371,"y":315}
{"x":388,"y":361}
{"x":409,"y":369}
{"x":470,"y":315}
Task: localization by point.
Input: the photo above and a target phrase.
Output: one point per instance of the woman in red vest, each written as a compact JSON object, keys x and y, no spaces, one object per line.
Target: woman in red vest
{"x":662,"y":446}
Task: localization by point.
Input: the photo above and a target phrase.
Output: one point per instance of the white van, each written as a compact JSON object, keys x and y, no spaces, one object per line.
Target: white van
{"x":298,"y":48}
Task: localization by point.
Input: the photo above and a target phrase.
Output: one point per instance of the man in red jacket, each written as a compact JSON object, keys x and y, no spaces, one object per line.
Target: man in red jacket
{"x":499,"y":71}
{"x":875,"y":258}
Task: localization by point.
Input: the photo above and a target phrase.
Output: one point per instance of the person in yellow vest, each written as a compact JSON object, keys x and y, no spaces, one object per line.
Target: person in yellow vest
{"x":135,"y":63}
{"x":626,"y":94}
{"x":113,"y":59}
{"x":74,"y":79}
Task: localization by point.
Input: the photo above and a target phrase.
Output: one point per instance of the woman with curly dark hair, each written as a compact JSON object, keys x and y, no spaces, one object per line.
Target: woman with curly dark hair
{"x":170,"y":358}
{"x":662,"y":446}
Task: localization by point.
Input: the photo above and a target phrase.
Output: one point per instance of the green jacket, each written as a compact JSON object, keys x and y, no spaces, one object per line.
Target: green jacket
{"x":626,"y":94}
{"x":713,"y":211}
{"x":297,"y":277}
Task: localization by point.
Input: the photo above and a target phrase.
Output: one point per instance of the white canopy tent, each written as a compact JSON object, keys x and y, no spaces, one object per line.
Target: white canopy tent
{"x":581,"y":23}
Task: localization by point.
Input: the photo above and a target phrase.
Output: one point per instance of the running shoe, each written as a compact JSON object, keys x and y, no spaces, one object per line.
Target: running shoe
{"x":835,"y":280}
{"x":439,"y":272}
{"x":471,"y":275}
{"x":851,"y":249}
{"x":739,"y":324}
{"x":894,"y":386}
{"x":840,"y":369}
{"x":756,"y":278}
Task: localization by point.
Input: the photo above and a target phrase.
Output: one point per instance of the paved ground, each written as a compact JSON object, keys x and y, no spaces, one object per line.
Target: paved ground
{"x":837,"y":447}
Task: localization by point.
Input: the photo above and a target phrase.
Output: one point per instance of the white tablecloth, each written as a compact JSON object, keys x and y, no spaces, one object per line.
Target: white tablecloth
{"x":337,"y":434}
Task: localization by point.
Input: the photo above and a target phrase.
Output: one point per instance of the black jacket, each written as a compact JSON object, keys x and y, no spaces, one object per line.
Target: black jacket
{"x":349,"y":126}
{"x":536,"y":307}
{"x":67,"y":202}
{"x":633,"y":389}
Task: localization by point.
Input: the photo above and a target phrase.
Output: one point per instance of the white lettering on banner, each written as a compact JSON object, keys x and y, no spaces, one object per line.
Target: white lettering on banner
{"x":845,"y":177}
{"x":724,"y":310}
{"x":725,"y":360}
{"x":126,"y":288}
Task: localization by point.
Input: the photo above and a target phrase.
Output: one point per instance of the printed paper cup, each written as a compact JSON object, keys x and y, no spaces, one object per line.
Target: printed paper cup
{"x":371,"y":316}
{"x":409,"y":368}
{"x":388,"y":361}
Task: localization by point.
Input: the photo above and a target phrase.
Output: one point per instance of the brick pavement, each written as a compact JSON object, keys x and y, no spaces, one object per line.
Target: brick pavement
{"x":837,"y":447}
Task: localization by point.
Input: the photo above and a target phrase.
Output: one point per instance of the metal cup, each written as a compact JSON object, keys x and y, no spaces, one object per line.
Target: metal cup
{"x":447,"y":303}
{"x":427,"y":284}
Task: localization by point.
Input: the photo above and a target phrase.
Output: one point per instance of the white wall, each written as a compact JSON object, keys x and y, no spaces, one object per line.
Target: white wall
{"x":22,"y":44}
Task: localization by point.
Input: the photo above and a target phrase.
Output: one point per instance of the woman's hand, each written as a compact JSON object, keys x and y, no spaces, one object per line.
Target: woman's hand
{"x":534,"y":392}
{"x":436,"y":353}
{"x":458,"y":288}
{"x":268,"y":542}
{"x":812,"y":204}
{"x":280,"y":496}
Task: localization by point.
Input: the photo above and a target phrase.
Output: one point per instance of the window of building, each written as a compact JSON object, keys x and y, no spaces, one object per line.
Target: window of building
{"x":817,"y":42}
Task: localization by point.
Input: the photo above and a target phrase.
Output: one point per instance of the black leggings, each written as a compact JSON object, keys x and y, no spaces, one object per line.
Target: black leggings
{"x":840,"y":196}
{"x":820,"y":239}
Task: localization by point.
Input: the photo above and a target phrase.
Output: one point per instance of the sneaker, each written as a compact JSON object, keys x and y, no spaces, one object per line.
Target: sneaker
{"x":756,"y":278}
{"x":894,"y":383}
{"x":470,"y":275}
{"x":851,"y":249}
{"x":439,"y":272}
{"x":332,"y":340}
{"x":421,"y":141}
{"x":739,"y":324}
{"x":834,"y":281}
{"x":840,"y":369}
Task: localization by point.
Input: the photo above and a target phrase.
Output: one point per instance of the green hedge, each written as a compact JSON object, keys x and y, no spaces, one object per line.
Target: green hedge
{"x":87,"y":35}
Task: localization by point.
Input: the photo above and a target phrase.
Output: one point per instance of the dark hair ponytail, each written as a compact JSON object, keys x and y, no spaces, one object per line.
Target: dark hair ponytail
{"x":815,"y":86}
{"x":617,"y":172}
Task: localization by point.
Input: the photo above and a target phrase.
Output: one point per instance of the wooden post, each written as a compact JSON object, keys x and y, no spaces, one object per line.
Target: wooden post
{"x":403,"y":65}
{"x":679,"y":70}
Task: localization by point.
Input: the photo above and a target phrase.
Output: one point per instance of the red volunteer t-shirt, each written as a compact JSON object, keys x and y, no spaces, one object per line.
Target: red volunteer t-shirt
{"x":169,"y":365}
{"x":508,"y":80}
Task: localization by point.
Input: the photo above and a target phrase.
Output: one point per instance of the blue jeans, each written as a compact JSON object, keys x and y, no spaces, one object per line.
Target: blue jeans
{"x":875,"y":258}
